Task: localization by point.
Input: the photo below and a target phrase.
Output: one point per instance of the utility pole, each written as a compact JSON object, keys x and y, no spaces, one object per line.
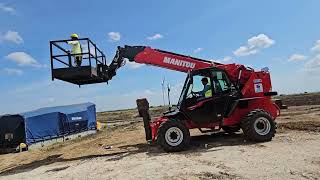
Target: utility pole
{"x":169,"y":97}
{"x":163,"y":91}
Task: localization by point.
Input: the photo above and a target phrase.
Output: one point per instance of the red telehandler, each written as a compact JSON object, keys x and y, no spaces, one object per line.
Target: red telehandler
{"x":240,"y":97}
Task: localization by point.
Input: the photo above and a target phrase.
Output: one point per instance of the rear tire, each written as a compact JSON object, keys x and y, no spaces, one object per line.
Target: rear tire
{"x":258,"y":126}
{"x":173,"y":136}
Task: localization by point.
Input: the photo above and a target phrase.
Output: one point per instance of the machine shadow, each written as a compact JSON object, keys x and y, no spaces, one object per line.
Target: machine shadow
{"x":55,"y":159}
{"x":198,"y":144}
{"x":219,"y":139}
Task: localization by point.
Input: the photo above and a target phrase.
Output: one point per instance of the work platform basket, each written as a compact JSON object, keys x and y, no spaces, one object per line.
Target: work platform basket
{"x":92,"y":70}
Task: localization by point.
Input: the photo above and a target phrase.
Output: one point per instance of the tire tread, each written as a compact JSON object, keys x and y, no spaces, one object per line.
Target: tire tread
{"x":161,"y":133}
{"x":248,"y":129}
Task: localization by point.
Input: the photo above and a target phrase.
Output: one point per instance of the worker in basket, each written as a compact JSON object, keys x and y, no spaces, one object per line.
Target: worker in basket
{"x":76,"y":50}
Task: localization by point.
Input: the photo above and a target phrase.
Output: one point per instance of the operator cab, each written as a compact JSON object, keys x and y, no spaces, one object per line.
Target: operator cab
{"x":212,"y":105}
{"x":92,"y":70}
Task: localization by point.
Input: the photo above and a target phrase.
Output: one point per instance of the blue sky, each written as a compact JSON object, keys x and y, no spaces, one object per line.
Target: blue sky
{"x":282,"y":35}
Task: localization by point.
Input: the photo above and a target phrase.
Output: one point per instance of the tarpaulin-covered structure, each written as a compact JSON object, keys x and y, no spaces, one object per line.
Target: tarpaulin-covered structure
{"x":46,"y":124}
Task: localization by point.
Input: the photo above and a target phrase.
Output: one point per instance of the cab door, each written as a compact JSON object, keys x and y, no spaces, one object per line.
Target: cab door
{"x":200,"y":109}
{"x":197,"y":107}
{"x":222,"y":91}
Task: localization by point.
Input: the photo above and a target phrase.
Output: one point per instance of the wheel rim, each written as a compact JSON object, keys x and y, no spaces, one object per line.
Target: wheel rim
{"x":262,"y":126}
{"x":174,"y":136}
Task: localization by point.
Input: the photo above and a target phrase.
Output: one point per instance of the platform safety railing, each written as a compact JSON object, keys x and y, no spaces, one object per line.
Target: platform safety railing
{"x":59,"y":50}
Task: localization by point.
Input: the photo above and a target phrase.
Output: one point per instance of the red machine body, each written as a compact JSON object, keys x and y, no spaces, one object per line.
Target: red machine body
{"x":234,"y":119}
{"x":255,"y":87}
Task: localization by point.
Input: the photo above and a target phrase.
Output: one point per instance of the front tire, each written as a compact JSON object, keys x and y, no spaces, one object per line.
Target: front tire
{"x":173,"y":136}
{"x":258,"y":126}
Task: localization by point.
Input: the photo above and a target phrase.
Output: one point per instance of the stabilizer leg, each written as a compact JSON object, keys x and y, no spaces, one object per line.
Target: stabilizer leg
{"x":143,"y":108}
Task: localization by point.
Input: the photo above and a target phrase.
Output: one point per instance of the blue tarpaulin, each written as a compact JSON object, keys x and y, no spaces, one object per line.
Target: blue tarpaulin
{"x":53,"y":122}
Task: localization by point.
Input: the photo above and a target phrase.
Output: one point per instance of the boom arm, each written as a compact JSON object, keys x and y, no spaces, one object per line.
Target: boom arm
{"x":239,"y":74}
{"x":164,"y":59}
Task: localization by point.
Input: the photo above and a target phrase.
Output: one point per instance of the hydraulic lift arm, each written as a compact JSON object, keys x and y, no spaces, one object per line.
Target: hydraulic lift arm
{"x":160,"y":58}
{"x":238,"y":73}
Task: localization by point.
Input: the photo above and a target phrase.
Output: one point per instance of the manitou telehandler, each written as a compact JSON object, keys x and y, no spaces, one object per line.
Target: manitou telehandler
{"x":240,"y":97}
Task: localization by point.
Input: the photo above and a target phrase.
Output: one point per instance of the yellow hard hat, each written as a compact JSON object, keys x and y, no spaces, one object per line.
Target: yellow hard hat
{"x":74,"y":35}
{"x":23,"y":145}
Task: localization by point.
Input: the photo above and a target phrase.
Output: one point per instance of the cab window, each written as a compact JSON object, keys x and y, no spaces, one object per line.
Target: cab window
{"x":220,"y":81}
{"x":199,"y":88}
{"x":197,"y":83}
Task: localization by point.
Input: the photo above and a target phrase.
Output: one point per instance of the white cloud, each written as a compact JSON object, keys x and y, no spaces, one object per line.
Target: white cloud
{"x":227,"y":59}
{"x":12,"y":36}
{"x":23,"y":59}
{"x":260,"y":41}
{"x":244,"y":51}
{"x":134,"y":65}
{"x":297,"y":57}
{"x":316,"y":47}
{"x":254,"y":45}
{"x":197,"y":50}
{"x":13,"y":71}
{"x":51,"y":100}
{"x":149,"y":92}
{"x":7,"y":9}
{"x":155,"y":37}
{"x":114,"y":36}
{"x":313,"y":64}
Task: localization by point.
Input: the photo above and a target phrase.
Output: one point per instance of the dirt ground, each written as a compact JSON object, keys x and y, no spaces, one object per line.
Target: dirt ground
{"x":300,"y":99}
{"x":294,"y":153}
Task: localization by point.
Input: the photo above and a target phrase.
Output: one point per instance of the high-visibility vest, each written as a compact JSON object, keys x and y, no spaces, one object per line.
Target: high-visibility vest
{"x":76,"y":47}
{"x":208,"y":93}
